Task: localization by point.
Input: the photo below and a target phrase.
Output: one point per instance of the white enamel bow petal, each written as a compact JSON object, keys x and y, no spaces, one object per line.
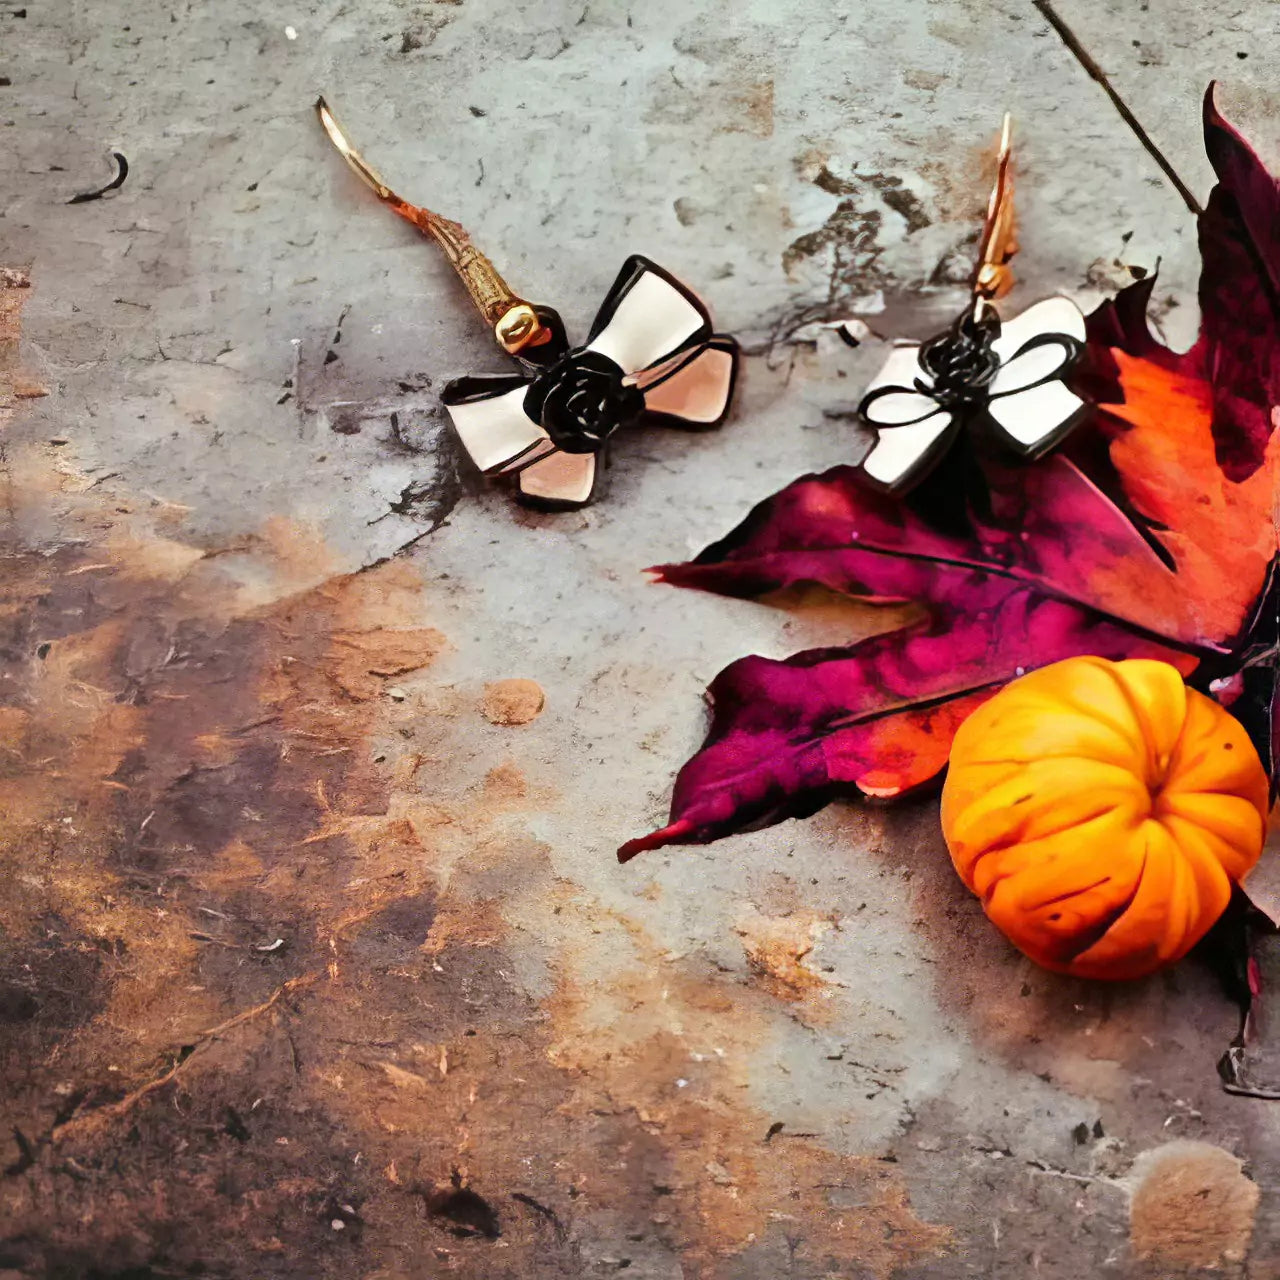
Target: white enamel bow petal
{"x":646,"y":321}
{"x":918,"y":422}
{"x":494,"y":428}
{"x":1029,"y":402}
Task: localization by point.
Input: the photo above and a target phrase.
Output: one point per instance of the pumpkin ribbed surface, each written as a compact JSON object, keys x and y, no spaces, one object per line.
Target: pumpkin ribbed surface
{"x":1101,"y":811}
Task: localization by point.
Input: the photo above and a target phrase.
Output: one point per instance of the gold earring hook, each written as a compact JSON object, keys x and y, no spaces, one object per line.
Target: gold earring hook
{"x":994,"y":276}
{"x":514,"y":321}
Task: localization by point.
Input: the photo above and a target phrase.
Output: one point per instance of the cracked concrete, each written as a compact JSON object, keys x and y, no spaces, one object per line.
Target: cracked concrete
{"x":801,"y":1052}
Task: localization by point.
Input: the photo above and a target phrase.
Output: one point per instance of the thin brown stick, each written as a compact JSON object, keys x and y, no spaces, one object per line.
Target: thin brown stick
{"x":1095,"y":72}
{"x":89,"y":1121}
{"x":302,"y":980}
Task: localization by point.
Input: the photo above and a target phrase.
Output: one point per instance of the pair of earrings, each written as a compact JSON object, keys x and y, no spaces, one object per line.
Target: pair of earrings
{"x":652,"y":355}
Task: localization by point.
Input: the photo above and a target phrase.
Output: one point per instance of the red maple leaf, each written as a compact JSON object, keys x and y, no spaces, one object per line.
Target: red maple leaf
{"x":1153,"y":534}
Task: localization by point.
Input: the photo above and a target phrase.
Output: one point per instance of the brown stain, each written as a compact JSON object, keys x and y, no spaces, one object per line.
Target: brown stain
{"x":672,"y":1043}
{"x":960,"y":172}
{"x":514,"y":701}
{"x":751,"y":109}
{"x":15,"y":383}
{"x":466,"y":923}
{"x":272,"y":956}
{"x":778,"y":948}
{"x":505,"y":787}
{"x":1192,"y":1206}
{"x":178,"y":731}
{"x":216,"y":752}
{"x":186,"y":775}
{"x":928,"y":81}
{"x":738,"y":99}
{"x":58,"y":791}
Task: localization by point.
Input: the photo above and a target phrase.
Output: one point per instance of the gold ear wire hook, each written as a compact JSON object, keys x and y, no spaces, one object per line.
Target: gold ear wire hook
{"x":514,"y":322}
{"x":994,"y":277}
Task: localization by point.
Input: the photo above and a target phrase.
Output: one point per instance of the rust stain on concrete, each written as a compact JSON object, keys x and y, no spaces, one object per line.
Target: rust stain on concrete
{"x":736,"y":99}
{"x":286,"y":980}
{"x":670,"y":1043}
{"x":15,"y":383}
{"x":778,"y":950}
{"x":751,"y":107}
{"x":514,"y":701}
{"x":267,"y":957}
{"x":1192,"y":1206}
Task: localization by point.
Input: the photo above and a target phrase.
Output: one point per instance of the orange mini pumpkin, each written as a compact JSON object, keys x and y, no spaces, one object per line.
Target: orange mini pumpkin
{"x":1101,"y":811}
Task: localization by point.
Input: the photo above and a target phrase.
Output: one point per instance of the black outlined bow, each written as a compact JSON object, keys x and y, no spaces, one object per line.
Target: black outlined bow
{"x":1004,"y":376}
{"x":651,"y":354}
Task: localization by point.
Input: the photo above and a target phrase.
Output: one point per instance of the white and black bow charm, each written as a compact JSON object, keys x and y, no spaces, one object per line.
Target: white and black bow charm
{"x":1002,"y":381}
{"x":651,"y":354}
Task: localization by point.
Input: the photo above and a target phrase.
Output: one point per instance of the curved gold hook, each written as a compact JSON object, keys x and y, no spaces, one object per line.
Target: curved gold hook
{"x":994,"y":277}
{"x":514,"y":321}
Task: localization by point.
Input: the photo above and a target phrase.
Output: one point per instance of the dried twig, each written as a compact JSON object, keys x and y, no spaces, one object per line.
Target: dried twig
{"x":122,"y":172}
{"x":89,"y":1121}
{"x":1095,"y":72}
{"x":294,"y":984}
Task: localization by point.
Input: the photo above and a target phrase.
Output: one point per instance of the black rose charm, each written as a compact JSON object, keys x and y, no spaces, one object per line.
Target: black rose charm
{"x":582,"y":400}
{"x":961,"y":361}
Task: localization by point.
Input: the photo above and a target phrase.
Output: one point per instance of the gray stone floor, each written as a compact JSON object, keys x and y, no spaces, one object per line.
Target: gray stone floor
{"x":181,"y":326}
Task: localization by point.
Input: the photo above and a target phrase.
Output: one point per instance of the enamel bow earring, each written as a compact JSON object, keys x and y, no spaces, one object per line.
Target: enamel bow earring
{"x":651,"y":356}
{"x":999,"y":380}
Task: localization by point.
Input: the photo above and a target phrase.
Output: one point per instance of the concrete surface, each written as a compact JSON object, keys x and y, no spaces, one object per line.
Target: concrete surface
{"x":250,"y":625}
